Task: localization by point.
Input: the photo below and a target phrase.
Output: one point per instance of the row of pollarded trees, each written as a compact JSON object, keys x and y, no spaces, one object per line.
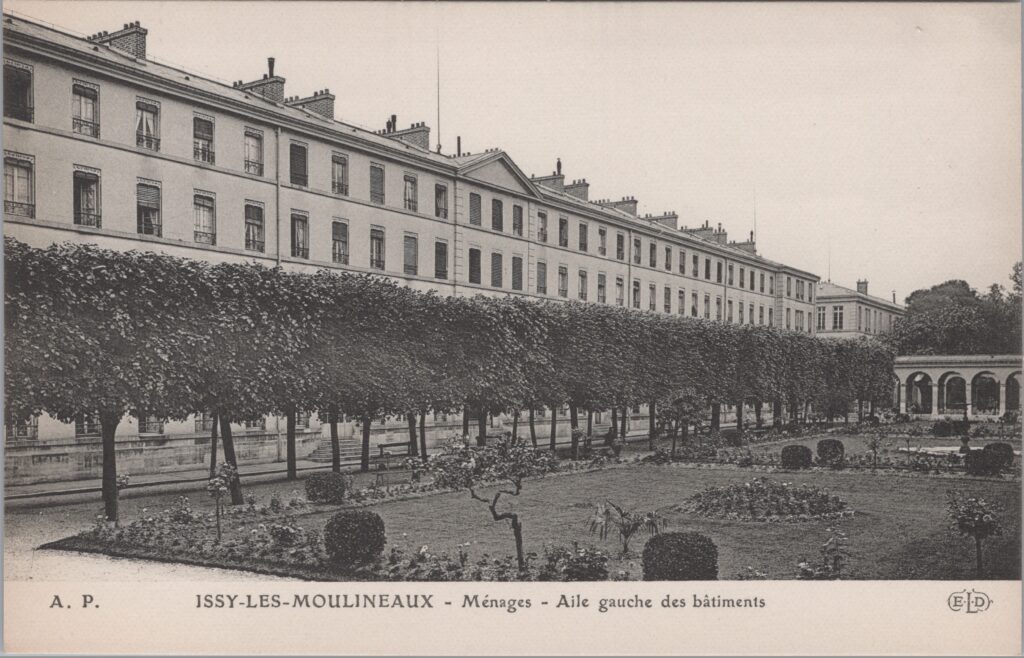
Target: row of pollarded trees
{"x":116,"y":333}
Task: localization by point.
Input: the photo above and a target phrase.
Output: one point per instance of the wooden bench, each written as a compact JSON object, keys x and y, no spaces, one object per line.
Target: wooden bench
{"x":384,"y":460}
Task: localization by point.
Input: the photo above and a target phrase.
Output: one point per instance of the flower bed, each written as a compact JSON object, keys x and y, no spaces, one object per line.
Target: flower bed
{"x":767,"y":500}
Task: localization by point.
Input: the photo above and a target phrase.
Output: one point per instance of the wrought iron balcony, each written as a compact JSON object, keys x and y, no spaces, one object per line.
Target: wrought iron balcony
{"x":254,"y":167}
{"x":15,"y":110}
{"x":83,"y":127}
{"x":339,"y":187}
{"x":204,"y":154}
{"x":88,"y":219}
{"x":377,"y":263}
{"x":205,"y":237}
{"x":254,"y":245}
{"x":300,"y":252}
{"x":142,"y":140}
{"x":18,"y":208}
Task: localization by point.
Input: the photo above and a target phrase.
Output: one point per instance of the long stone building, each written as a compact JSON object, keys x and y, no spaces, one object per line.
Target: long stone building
{"x":846,"y":313}
{"x":104,"y":145}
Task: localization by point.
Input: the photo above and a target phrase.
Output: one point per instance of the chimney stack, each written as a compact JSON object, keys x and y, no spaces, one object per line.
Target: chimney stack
{"x":131,"y":39}
{"x":627,"y":204}
{"x":270,"y":86}
{"x":270,"y":66}
{"x":418,"y":134}
{"x":321,"y":102}
{"x":893,"y":296}
{"x":579,"y":189}
{"x":862,"y":286}
{"x":458,"y":145}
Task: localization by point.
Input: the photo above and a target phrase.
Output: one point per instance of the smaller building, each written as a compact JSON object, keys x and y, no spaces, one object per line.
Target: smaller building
{"x":845,"y":313}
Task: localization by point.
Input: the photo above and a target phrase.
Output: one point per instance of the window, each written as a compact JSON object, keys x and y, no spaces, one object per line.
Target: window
{"x":760,"y":314}
{"x":682,"y":262}
{"x":652,"y":297}
{"x":147,"y":203}
{"x":377,"y":184}
{"x":339,"y":174}
{"x":789,"y":287}
{"x":150,"y":425}
{"x":474,"y":266}
{"x":410,"y":255}
{"x":542,"y":227}
{"x":440,"y":260}
{"x":87,"y":199}
{"x":496,"y":270}
{"x":19,"y":186}
{"x":788,"y":325}
{"x":695,"y":272}
{"x":751,"y":279}
{"x":799,"y":289}
{"x":837,"y":318}
{"x":86,"y":425}
{"x":602,"y":241}
{"x":147,"y":125}
{"x":563,"y":281}
{"x":810,"y":292}
{"x":620,"y":291}
{"x":860,"y":323}
{"x":743,"y":276}
{"x":693,"y":305}
{"x":497,"y":215}
{"x":298,"y":165}
{"x":730,"y":272}
{"x":741,"y":312}
{"x":707,"y":269}
{"x":253,"y":152}
{"x":668,"y":299}
{"x":718,"y":272}
{"x":302,"y":419}
{"x":718,"y":309}
{"x":85,"y":109}
{"x":770,"y":319}
{"x":799,"y":320}
{"x":620,"y":246}
{"x":475,"y":212}
{"x":707,"y":306}
{"x":542,"y":278}
{"x":728,"y":311}
{"x":583,"y":237}
{"x":636,"y":294}
{"x":681,"y":302}
{"x":751,"y":317}
{"x":26,"y":431}
{"x":339,"y":243}
{"x":652,"y":256}
{"x":563,"y":231}
{"x":636,"y":251}
{"x":377,"y":248}
{"x":760,"y":280}
{"x":771,"y":285}
{"x":300,"y":236}
{"x":821,"y":318}
{"x":17,"y":91}
{"x":602,"y":293}
{"x":441,"y":201}
{"x":254,"y":227}
{"x":204,"y":213}
{"x":668,"y":258}
{"x":202,"y":140}
{"x":583,"y":286}
{"x":517,"y":273}
{"x":517,"y":220}
{"x":410,"y":200}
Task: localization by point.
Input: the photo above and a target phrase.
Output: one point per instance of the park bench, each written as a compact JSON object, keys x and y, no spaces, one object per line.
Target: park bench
{"x":384,"y":466}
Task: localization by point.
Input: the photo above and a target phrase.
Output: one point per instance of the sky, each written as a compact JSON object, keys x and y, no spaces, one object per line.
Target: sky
{"x":865,"y":141}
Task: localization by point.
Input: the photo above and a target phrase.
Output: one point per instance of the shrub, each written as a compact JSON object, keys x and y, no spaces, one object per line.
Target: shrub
{"x":950,"y":427}
{"x":796,"y":457}
{"x":579,"y":563}
{"x":1001,"y":454}
{"x":326,"y":488}
{"x":680,"y":556}
{"x":983,"y":462}
{"x":354,"y":536}
{"x":830,"y":451}
{"x":763,"y":499}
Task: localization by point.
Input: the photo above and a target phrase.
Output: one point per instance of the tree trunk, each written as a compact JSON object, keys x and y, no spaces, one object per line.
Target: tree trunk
{"x":673,"y":445}
{"x":423,"y":434}
{"x":652,"y":424}
{"x":574,"y":425}
{"x":590,"y":423}
{"x":481,"y":423}
{"x":860,"y":411}
{"x":213,"y":448}
{"x":465,"y":420}
{"x":615,"y":422}
{"x":364,"y":458}
{"x":515,"y":426}
{"x":777,"y":413}
{"x":414,"y":450}
{"x":716,"y":416}
{"x":517,"y":532}
{"x":108,"y":429}
{"x":533,"y":430}
{"x":739,"y":415}
{"x":622,"y":425}
{"x":554,"y":426}
{"x":293,"y":471}
{"x":335,"y":442}
{"x":229,"y":456}
{"x":574,"y":417}
{"x":758,"y":414}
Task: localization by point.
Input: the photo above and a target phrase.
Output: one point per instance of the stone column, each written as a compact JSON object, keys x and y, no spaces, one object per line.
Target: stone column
{"x":1002,"y":397}
{"x":902,"y":396}
{"x":967,"y":398}
{"x":933,"y":397}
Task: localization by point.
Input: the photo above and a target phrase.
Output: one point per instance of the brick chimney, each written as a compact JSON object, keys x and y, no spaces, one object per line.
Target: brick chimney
{"x":862,"y":286}
{"x":321,"y":102}
{"x":749,"y":246}
{"x":418,"y":134}
{"x":270,"y":86}
{"x":579,"y":189}
{"x":627,"y":204}
{"x":556,"y":181}
{"x":668,"y":219}
{"x":130,"y":39}
{"x":704,"y":232}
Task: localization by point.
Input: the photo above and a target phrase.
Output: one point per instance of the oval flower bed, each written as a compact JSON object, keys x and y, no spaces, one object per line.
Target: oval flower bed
{"x":766,"y":500}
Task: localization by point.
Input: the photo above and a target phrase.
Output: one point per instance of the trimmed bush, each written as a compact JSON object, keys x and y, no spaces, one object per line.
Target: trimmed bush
{"x":325,"y":488}
{"x":1002,"y":454}
{"x":950,"y":427}
{"x":579,"y":563}
{"x":680,"y":556}
{"x":354,"y":536}
{"x":796,"y":457}
{"x":830,"y":451}
{"x":983,"y":462}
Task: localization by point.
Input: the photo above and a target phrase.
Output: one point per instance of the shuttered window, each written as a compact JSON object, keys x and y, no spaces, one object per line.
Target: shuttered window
{"x":563,"y":282}
{"x":668,"y":299}
{"x":202,"y":140}
{"x":339,"y":242}
{"x":542,"y":278}
{"x":497,"y":215}
{"x":583,"y":286}
{"x":474,"y":266}
{"x":410,"y":255}
{"x":297,"y":162}
{"x":411,"y":194}
{"x":517,"y":220}
{"x":563,"y":231}
{"x":300,"y":236}
{"x":583,"y":237}
{"x":542,"y":227}
{"x":148,"y":205}
{"x":377,"y":248}
{"x":376,"y":184}
{"x":204,"y":213}
{"x":636,"y":294}
{"x":601,"y":289}
{"x":517,"y":273}
{"x":496,"y":270}
{"x":652,"y":302}
{"x":441,"y":260}
{"x":474,"y":209}
{"x":668,"y":258}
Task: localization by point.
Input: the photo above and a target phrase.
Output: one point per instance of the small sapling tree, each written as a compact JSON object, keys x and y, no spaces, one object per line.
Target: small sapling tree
{"x":627,"y":523}
{"x":220,"y":486}
{"x":976,"y":518}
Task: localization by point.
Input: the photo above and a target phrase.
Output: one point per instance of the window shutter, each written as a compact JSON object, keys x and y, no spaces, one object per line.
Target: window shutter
{"x":149,"y":195}
{"x":441,"y":260}
{"x":496,"y":270}
{"x":339,"y":231}
{"x":474,"y":266}
{"x":297,"y":159}
{"x":517,"y":273}
{"x":474,"y":209}
{"x":411,"y":254}
{"x":542,"y":278}
{"x":497,"y":215}
{"x":254,"y":213}
{"x":202,"y":128}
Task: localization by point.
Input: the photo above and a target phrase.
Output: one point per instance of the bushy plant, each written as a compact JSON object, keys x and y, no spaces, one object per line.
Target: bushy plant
{"x":830,"y":451}
{"x":796,"y":457}
{"x":354,"y":536}
{"x":984,"y":462}
{"x":975,"y":518}
{"x":763,"y":499}
{"x":627,"y":523}
{"x":1001,"y":454}
{"x":576,"y":563}
{"x":949,"y":427}
{"x":835,"y":555}
{"x":680,"y":556}
{"x":285,"y":534}
{"x":326,"y":488}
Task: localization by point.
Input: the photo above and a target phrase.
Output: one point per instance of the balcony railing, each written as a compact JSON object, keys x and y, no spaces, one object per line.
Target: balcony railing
{"x":18,"y":208}
{"x":583,"y":296}
{"x":151,"y":427}
{"x":377,"y":263}
{"x":17,"y":110}
{"x":88,"y":219}
{"x":339,"y":187}
{"x":411,"y":204}
{"x":302,"y":180}
{"x":441,"y":213}
{"x":150,"y":228}
{"x":441,"y":274}
{"x":204,"y":154}
{"x":412,"y":270}
{"x":83,"y":127}
{"x":300,"y":252}
{"x":254,"y":245}
{"x":563,"y":292}
{"x":21,"y":432}
{"x":339,"y":255}
{"x":205,"y":237}
{"x":254,"y":167}
{"x":142,"y":140}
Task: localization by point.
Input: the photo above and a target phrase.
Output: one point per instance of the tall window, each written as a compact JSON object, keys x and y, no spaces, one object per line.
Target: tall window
{"x":788,"y":325}
{"x":147,"y":125}
{"x":19,"y":187}
{"x":339,"y":174}
{"x":87,"y":199}
{"x":760,"y":314}
{"x":440,"y":260}
{"x":583,"y":237}
{"x":751,"y":317}
{"x":583,"y":286}
{"x":474,"y":266}
{"x":542,"y":278}
{"x":563,"y":281}
{"x":377,"y":248}
{"x":475,"y":212}
{"x":147,"y":203}
{"x":636,"y":251}
{"x":202,"y":140}
{"x":707,"y":269}
{"x":339,"y":243}
{"x":85,"y":110}
{"x":789,"y":286}
{"x":563,"y":231}
{"x":743,"y":276}
{"x":668,"y":258}
{"x":298,"y":165}
{"x":205,"y":216}
{"x":602,"y":293}
{"x":707,"y":307}
{"x":652,"y":297}
{"x":620,"y":246}
{"x":837,"y":318}
{"x":653,"y":255}
{"x":668,"y":299}
{"x":693,"y":305}
{"x":517,"y":220}
{"x":728,"y":311}
{"x":681,"y":301}
{"x":517,"y":273}
{"x":799,"y":320}
{"x":602,"y":241}
{"x":770,"y":317}
{"x":410,"y":255}
{"x":695,"y":272}
{"x":821,"y":318}
{"x":496,"y":270}
{"x":377,"y":184}
{"x":620,"y":291}
{"x":254,"y":227}
{"x":760,"y":281}
{"x":718,"y":272}
{"x":410,"y":195}
{"x":542,"y":227}
{"x":497,"y":215}
{"x":741,"y":312}
{"x":718,"y":309}
{"x":253,"y":152}
{"x":441,"y":201}
{"x":17,"y":92}
{"x":636,"y":294}
{"x":751,"y":279}
{"x":730,"y":274}
{"x":771,"y":285}
{"x":300,"y":236}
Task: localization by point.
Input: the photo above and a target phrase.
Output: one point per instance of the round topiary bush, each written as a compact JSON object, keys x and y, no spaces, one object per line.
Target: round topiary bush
{"x":325,"y":488}
{"x":680,"y":556}
{"x":1002,"y":453}
{"x":830,"y":451}
{"x":354,"y":536}
{"x":983,"y":462}
{"x":796,"y":457}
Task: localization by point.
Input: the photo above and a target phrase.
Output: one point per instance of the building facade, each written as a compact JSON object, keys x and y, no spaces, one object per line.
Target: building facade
{"x":845,"y":313}
{"x":105,"y":146}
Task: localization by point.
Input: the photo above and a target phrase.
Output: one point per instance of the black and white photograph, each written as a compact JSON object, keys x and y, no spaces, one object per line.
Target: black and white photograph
{"x":510,"y":317}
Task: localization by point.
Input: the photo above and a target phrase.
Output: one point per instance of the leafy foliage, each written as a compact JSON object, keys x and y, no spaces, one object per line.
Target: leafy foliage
{"x":796,"y":457}
{"x":627,"y":523}
{"x":353,"y":537}
{"x":762,"y":499}
{"x":326,"y":487}
{"x":680,"y":556}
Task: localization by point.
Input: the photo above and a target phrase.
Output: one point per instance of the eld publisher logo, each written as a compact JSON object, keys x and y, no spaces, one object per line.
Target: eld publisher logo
{"x":969,"y":602}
